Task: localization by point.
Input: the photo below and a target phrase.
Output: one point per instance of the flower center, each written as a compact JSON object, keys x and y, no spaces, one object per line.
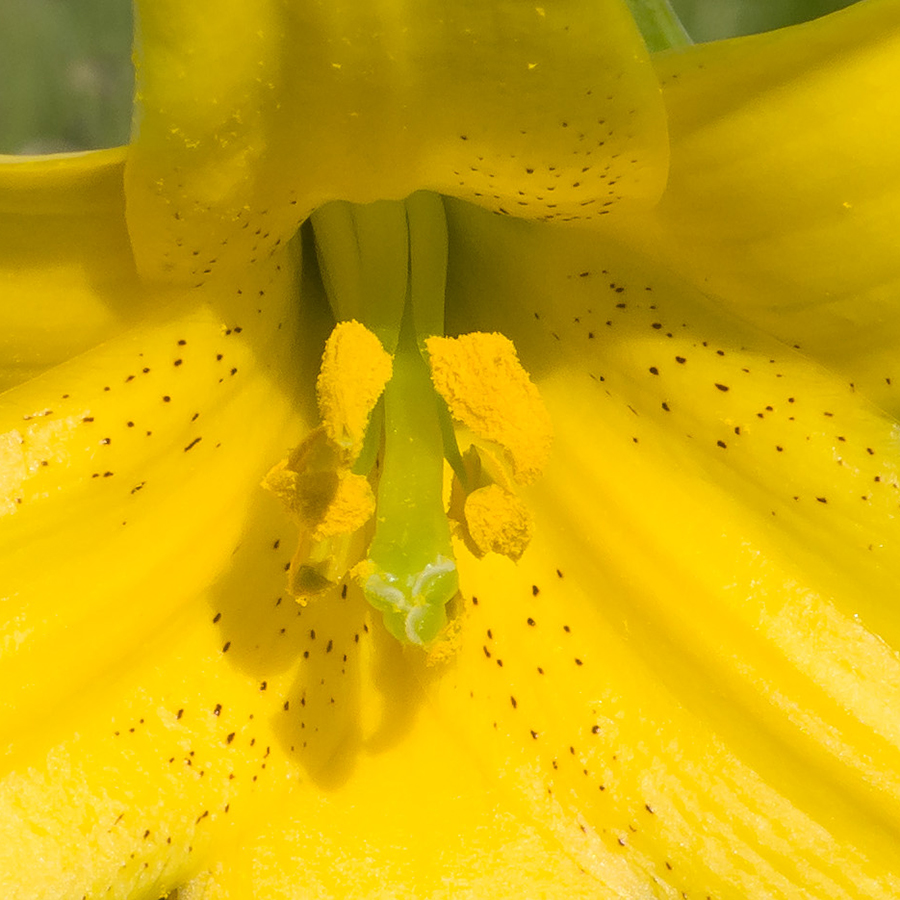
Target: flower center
{"x":367,"y":487}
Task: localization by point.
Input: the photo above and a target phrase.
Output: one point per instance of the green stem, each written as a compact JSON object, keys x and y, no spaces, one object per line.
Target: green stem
{"x":659,"y":24}
{"x":428,"y":262}
{"x":428,"y":243}
{"x":363,"y":252}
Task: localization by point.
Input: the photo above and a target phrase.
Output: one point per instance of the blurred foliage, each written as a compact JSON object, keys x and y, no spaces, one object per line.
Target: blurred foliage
{"x":65,"y":74}
{"x":65,"y":67}
{"x":709,"y":20}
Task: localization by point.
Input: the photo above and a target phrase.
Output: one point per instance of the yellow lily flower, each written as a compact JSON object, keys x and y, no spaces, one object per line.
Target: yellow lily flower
{"x":688,"y":684}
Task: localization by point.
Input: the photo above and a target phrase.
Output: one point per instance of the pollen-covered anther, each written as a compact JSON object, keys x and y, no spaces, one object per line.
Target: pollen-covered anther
{"x":324,"y":497}
{"x":330,"y":504}
{"x":497,"y":521}
{"x":355,"y":368}
{"x":487,"y":389}
{"x":334,"y":503}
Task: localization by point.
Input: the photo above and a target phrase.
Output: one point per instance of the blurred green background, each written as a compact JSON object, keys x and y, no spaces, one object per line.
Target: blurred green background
{"x":65,"y":74}
{"x":65,"y":67}
{"x":709,"y":20}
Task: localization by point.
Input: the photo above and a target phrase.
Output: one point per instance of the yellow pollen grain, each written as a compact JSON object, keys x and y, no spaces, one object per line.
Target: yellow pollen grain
{"x":355,"y":368}
{"x":498,"y":521}
{"x":484,"y":385}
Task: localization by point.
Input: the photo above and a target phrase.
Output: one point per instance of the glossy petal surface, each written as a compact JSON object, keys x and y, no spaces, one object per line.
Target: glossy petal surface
{"x":250,"y":115}
{"x":686,"y":687}
{"x":66,"y":272}
{"x":703,"y":625}
{"x":784,"y":188}
{"x":125,"y":473}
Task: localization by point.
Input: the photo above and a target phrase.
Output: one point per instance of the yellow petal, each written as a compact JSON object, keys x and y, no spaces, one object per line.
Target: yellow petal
{"x":66,"y":271}
{"x":168,"y":719}
{"x":121,"y":475}
{"x":784,"y":191}
{"x":253,"y":114}
{"x":618,"y":717}
{"x":254,"y":749}
{"x":715,"y":564}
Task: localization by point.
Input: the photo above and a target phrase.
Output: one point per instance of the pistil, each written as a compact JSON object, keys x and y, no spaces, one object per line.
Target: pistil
{"x":389,"y":389}
{"x":410,"y":573}
{"x":385,"y":265}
